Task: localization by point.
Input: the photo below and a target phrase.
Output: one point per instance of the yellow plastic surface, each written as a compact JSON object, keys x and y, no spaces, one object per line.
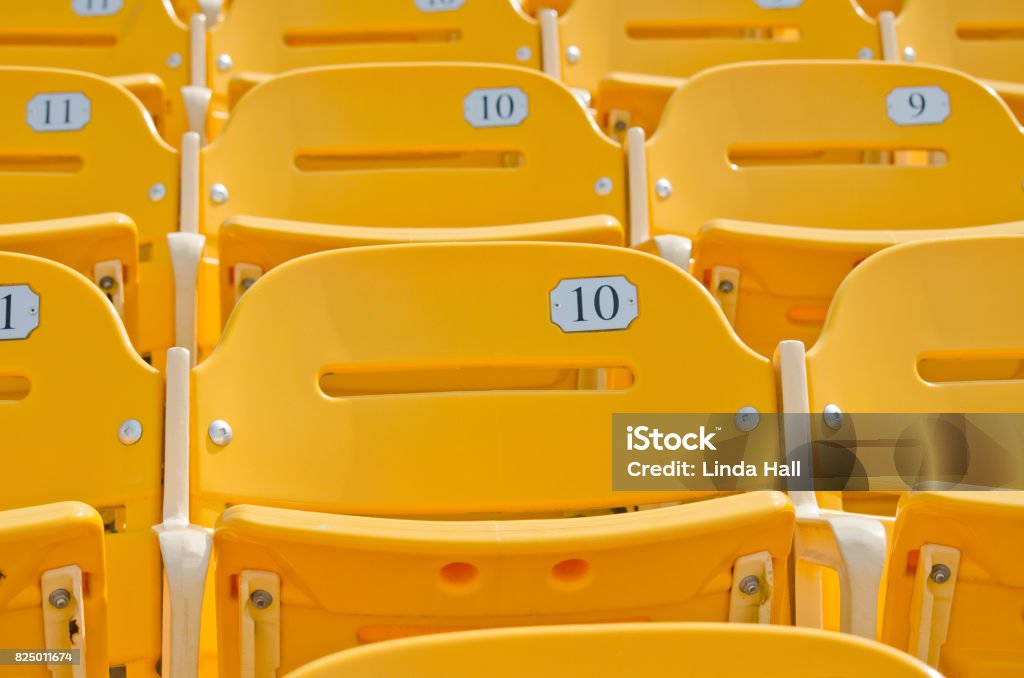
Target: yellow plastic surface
{"x":788,"y":274}
{"x":980,"y":37}
{"x":876,"y":7}
{"x":267,"y":243}
{"x":625,"y":100}
{"x":274,"y":36}
{"x":109,"y":165}
{"x":137,"y":41}
{"x":37,"y":539}
{"x":668,"y":37}
{"x":800,"y":129}
{"x":350,"y":580}
{"x":533,"y":6}
{"x":345,"y":150}
{"x":985,"y":625}
{"x":610,"y":651}
{"x":61,"y":440}
{"x":413,"y":332}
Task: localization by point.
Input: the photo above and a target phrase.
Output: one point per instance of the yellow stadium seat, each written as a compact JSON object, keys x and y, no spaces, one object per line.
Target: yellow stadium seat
{"x":610,"y":651}
{"x":954,"y":591}
{"x":738,"y":133}
{"x":83,"y":421}
{"x":274,"y":36}
{"x":353,"y":580}
{"x":876,"y":7}
{"x":106,"y":159}
{"x":251,"y":246}
{"x":920,"y":328}
{"x":533,"y":6}
{"x":775,"y":283}
{"x":679,"y":39}
{"x":139,"y":43}
{"x":54,"y":588}
{"x":980,"y":37}
{"x":370,"y":164}
{"x":425,"y":348}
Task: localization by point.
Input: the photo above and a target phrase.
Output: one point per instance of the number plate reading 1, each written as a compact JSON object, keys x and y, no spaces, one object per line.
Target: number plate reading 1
{"x":96,"y":7}
{"x":439,"y":5}
{"x":918,"y":105}
{"x":594,"y":304}
{"x":500,"y":107}
{"x":59,"y":112}
{"x":19,"y":311}
{"x":779,"y":4}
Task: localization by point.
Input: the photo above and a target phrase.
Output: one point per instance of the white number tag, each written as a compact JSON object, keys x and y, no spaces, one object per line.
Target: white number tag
{"x":96,"y":7}
{"x":19,"y":312}
{"x":59,"y":112}
{"x":779,"y":4}
{"x":594,"y":304}
{"x":439,"y":5}
{"x":499,"y":107}
{"x":918,"y":105}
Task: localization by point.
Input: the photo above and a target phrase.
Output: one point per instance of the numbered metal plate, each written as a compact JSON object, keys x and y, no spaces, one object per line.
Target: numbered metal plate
{"x":96,"y":7}
{"x":498,"y":107}
{"x":779,"y":4}
{"x":59,"y":112}
{"x":918,"y":105}
{"x":439,"y":5}
{"x":594,"y":304}
{"x":19,"y":312}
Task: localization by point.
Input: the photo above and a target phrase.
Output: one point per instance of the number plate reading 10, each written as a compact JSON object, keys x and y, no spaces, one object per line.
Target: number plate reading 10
{"x":499,"y":107}
{"x":19,"y":311}
{"x":594,"y":304}
{"x":96,"y":7}
{"x":779,"y":4}
{"x":918,"y":105}
{"x":439,"y":5}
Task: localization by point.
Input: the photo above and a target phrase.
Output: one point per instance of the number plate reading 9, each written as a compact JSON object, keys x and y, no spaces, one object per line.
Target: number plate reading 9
{"x":918,"y":105}
{"x":19,"y":311}
{"x":499,"y":107}
{"x":594,"y":304}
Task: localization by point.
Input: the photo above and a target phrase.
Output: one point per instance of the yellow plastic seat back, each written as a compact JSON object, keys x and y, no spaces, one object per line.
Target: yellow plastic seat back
{"x":140,"y":42}
{"x":251,"y":246}
{"x":980,"y":37}
{"x":953,"y":589}
{"x":353,"y":580}
{"x":666,"y":37}
{"x":54,"y":587}
{"x":455,"y":338}
{"x":836,"y":145}
{"x":274,"y":36}
{"x":612,"y":650}
{"x":82,"y":417}
{"x":95,"y":154}
{"x":776,"y":282}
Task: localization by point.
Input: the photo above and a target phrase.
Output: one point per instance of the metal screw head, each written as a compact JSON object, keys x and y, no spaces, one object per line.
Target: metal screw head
{"x":129,"y":432}
{"x":219,"y":194}
{"x":747,"y":419}
{"x":174,"y":61}
{"x":224,"y":62}
{"x":247,"y":283}
{"x":60,"y":599}
{"x":260,"y":599}
{"x":750,"y":585}
{"x":523,"y":53}
{"x":107,"y":283}
{"x":940,"y":574}
{"x":572,"y":54}
{"x":663,"y":188}
{"x":866,"y":54}
{"x":603,"y":186}
{"x":726,"y":286}
{"x":220,"y":432}
{"x":909,"y":54}
{"x":833,"y":416}
{"x":157,"y":192}
{"x":620,"y":125}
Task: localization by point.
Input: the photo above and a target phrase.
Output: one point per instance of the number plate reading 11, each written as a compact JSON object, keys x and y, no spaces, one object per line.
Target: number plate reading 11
{"x":19,"y":311}
{"x":498,"y":107}
{"x":594,"y":304}
{"x":918,"y":105}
